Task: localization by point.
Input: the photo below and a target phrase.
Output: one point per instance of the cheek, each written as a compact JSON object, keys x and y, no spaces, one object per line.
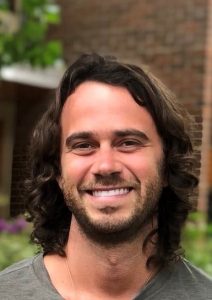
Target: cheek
{"x":143,"y":167}
{"x":74,"y":169}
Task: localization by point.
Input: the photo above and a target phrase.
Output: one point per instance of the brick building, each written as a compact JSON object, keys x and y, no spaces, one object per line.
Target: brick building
{"x":171,"y":37}
{"x":20,"y":107}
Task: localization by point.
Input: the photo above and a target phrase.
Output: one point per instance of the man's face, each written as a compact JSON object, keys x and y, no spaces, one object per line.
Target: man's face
{"x":111,"y":162}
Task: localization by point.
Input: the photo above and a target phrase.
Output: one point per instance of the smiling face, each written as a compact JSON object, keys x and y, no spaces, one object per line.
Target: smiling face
{"x":111,"y":162}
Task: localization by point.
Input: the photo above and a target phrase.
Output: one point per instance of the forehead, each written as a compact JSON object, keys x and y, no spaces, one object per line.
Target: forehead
{"x":96,"y":106}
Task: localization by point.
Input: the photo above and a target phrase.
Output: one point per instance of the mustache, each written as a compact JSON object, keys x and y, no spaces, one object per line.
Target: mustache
{"x":112,"y":180}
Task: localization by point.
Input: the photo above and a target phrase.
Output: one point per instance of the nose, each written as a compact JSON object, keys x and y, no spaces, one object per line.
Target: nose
{"x":106,"y":163}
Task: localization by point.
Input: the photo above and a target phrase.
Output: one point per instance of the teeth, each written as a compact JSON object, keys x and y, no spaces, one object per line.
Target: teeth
{"x":109,"y":193}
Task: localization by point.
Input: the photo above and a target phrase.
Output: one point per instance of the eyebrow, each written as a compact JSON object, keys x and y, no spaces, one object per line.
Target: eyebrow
{"x":78,"y":135}
{"x":134,"y":132}
{"x":118,"y":133}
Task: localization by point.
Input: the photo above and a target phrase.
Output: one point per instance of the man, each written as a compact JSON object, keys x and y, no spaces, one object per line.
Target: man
{"x":111,"y":176}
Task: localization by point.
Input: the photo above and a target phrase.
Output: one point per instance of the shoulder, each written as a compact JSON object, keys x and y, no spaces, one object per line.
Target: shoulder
{"x":27,"y":280}
{"x":17,"y":280}
{"x":179,"y":281}
{"x":19,"y":267}
{"x":188,"y":270}
{"x":194,"y":283}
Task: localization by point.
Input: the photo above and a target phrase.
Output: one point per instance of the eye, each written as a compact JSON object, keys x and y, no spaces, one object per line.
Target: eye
{"x":82,"y":148}
{"x":129,"y":145}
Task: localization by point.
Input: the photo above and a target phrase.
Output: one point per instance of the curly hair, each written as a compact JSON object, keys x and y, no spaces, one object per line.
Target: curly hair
{"x":45,"y":202}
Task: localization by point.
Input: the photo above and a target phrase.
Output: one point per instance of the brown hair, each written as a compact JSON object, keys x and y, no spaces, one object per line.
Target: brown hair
{"x":45,"y":203}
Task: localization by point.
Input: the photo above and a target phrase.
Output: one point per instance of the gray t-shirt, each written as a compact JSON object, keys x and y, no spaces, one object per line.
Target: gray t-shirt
{"x":29,"y":280}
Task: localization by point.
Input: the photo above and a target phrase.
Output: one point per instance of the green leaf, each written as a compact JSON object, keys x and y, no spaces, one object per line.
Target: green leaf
{"x":4,"y":5}
{"x":52,"y":14}
{"x":197,"y":242}
{"x":15,"y":247}
{"x":29,"y":43}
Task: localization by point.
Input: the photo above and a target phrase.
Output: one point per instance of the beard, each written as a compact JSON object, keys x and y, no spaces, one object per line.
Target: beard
{"x":109,"y":232}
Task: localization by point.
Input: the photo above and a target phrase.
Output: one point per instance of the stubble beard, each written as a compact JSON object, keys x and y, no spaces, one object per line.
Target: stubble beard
{"x":114,"y":232}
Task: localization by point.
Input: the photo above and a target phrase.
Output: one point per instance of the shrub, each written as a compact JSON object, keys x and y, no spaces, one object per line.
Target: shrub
{"x":197,"y":242}
{"x":14,"y":242}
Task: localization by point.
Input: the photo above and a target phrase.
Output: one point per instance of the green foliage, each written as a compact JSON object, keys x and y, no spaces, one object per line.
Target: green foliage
{"x":29,"y":43}
{"x":197,"y":242}
{"x":4,"y":5}
{"x":14,"y":247}
{"x":15,"y":242}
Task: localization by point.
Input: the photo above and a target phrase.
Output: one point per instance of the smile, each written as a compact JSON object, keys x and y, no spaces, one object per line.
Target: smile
{"x":109,"y":193}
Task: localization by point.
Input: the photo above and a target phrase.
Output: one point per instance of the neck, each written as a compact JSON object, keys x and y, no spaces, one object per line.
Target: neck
{"x":118,"y":269}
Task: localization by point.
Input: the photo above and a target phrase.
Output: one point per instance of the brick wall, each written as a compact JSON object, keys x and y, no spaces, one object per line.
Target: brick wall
{"x":7,"y":112}
{"x":1,"y":146}
{"x":168,"y":36}
{"x":30,"y":103}
{"x":206,"y":174}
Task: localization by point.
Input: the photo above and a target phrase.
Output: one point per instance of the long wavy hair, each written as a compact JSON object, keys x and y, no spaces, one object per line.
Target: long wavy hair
{"x":45,"y":202}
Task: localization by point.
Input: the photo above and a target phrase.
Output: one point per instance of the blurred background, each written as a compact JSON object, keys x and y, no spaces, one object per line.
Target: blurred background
{"x":39,"y":38}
